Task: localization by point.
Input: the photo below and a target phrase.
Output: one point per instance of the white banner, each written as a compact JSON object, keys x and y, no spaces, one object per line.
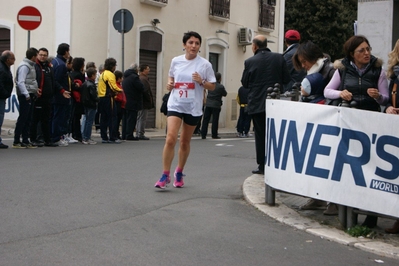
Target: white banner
{"x":342,"y":155}
{"x":12,"y":107}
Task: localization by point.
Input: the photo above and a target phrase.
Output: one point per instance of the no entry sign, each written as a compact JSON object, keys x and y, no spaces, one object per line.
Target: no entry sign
{"x":29,"y":18}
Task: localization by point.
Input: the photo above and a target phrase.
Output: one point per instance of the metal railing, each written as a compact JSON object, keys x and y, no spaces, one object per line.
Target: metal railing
{"x":220,"y":8}
{"x":275,"y":92}
{"x":266,"y":15}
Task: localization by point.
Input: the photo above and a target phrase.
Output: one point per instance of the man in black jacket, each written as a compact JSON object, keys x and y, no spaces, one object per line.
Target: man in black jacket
{"x":133,"y":88}
{"x":42,"y":105}
{"x":261,"y":71}
{"x":213,"y":107}
{"x":7,"y":59}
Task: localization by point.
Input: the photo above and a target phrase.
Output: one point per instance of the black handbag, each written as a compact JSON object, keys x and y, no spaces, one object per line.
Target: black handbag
{"x":164,"y":106}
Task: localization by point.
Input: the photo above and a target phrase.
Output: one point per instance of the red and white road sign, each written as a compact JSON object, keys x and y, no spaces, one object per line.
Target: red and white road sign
{"x":29,"y":18}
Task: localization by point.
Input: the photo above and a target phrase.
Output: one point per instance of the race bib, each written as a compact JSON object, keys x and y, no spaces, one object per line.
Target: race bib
{"x":185,"y":91}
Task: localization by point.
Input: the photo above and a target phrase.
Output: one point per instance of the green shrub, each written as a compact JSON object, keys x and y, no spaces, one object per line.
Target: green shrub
{"x":359,"y":231}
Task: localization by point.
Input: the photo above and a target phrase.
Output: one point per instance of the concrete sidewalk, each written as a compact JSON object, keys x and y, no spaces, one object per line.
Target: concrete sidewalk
{"x":314,"y":222}
{"x":7,"y":131}
{"x":287,"y":208}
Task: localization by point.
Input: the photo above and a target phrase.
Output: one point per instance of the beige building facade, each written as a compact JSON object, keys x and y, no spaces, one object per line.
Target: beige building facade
{"x":227,"y":28}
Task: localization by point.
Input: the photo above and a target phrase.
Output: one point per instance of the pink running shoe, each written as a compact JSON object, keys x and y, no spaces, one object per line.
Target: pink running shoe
{"x":178,"y":180}
{"x":163,"y":182}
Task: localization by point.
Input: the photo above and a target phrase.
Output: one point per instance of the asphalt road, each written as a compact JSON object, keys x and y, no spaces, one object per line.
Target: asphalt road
{"x":97,"y":205}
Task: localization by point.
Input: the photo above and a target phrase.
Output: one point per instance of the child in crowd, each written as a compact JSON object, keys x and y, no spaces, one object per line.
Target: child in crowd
{"x":120,"y":101}
{"x":244,"y":120}
{"x":312,"y":87}
{"x":89,"y":99}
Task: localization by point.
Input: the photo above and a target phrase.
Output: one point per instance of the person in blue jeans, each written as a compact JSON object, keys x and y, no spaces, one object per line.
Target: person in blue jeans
{"x":62,"y":96}
{"x":89,"y":99}
{"x":7,"y":59}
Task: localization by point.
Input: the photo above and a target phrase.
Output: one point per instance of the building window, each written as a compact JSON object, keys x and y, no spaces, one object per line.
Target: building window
{"x":4,"y":39}
{"x":266,"y":14}
{"x":220,"y":9}
{"x":159,"y":3}
{"x":214,"y":60}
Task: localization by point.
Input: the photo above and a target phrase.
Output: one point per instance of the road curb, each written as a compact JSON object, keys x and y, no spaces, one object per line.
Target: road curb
{"x":254,"y":193}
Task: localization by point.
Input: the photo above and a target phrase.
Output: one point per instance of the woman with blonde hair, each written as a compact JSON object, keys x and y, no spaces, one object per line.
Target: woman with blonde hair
{"x":393,"y":62}
{"x":392,"y":106}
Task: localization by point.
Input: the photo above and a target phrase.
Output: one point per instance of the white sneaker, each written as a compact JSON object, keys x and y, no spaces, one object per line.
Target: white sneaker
{"x":92,"y":142}
{"x":61,"y":143}
{"x":71,"y":140}
{"x":66,"y":138}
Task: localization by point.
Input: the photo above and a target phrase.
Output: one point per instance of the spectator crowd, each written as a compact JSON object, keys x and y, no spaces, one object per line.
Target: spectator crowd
{"x":60,"y":99}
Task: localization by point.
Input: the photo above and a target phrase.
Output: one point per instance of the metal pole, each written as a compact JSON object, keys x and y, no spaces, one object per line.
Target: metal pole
{"x":270,"y":196}
{"x":123,"y":38}
{"x":28,"y":39}
{"x":342,"y":215}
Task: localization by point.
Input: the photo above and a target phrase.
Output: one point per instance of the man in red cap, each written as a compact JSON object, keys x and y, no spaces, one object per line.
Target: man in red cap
{"x":292,"y":38}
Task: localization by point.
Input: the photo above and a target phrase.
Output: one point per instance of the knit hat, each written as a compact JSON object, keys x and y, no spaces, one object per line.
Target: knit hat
{"x":313,"y":84}
{"x":292,"y":35}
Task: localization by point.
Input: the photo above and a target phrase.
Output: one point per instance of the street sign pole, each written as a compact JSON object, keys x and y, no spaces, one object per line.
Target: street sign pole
{"x":29,"y":18}
{"x":123,"y":38}
{"x":123,"y":22}
{"x":28,"y":39}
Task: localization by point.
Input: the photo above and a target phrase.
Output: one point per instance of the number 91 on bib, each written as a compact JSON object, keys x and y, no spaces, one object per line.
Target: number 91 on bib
{"x":185,"y":91}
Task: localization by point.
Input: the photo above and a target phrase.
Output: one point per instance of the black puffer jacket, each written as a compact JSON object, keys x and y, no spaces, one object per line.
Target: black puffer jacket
{"x":327,"y":71}
{"x":263,"y":70}
{"x":6,"y":82}
{"x":358,"y":84}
